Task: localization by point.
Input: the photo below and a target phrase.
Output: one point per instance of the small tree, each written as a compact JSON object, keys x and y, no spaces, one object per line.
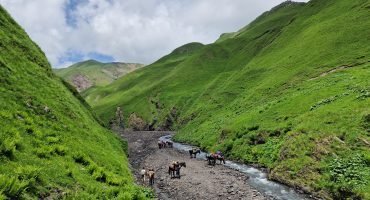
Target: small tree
{"x":136,"y":123}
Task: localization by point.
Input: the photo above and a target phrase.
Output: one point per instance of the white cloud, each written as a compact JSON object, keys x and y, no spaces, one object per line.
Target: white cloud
{"x":129,"y":30}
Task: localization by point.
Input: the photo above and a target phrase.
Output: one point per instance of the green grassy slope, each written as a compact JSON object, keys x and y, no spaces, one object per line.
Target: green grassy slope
{"x":135,"y":86}
{"x":289,"y":92}
{"x":97,"y":73}
{"x":51,"y":146}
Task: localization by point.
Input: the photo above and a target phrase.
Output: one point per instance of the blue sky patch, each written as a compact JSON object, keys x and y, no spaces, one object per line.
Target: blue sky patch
{"x":69,"y":9}
{"x":73,"y":56}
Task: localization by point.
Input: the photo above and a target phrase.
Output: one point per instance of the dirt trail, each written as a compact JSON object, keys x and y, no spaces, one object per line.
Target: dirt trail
{"x":198,"y":180}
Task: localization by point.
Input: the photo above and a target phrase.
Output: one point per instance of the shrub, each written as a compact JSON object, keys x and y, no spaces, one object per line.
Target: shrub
{"x":99,"y":174}
{"x":346,"y":175}
{"x":2,"y":196}
{"x":30,"y":174}
{"x":44,"y":152}
{"x":253,"y":128}
{"x":366,"y":122}
{"x":11,"y":187}
{"x":60,"y":150}
{"x":52,"y":140}
{"x":81,"y":159}
{"x":9,"y":142}
{"x":148,"y":192}
{"x":136,"y":123}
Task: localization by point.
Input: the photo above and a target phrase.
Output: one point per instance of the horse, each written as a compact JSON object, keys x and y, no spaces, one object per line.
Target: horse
{"x":220,"y":158}
{"x":194,"y":152}
{"x":161,"y":144}
{"x":212,"y":158}
{"x":174,"y":169}
{"x":151,"y":174}
{"x":169,"y":144}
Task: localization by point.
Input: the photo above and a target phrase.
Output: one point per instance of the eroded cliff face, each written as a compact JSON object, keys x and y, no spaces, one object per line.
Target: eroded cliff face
{"x":81,"y":82}
{"x":86,"y":74}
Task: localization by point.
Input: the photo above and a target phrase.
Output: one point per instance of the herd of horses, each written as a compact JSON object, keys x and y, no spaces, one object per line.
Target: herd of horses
{"x":175,"y":166}
{"x":164,"y":144}
{"x":211,"y":158}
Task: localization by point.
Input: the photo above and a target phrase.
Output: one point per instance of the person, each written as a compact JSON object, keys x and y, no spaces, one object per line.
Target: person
{"x":219,"y":153}
{"x":177,"y":170}
{"x":143,"y":173}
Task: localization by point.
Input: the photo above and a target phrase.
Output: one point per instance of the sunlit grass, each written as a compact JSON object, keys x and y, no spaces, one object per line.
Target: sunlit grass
{"x":45,"y":129}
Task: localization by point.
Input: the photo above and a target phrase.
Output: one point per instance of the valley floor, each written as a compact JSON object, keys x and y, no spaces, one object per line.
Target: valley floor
{"x":198,"y":180}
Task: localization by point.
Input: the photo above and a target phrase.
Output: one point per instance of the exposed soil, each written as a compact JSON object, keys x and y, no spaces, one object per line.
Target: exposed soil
{"x":340,"y":68}
{"x":198,"y":180}
{"x":81,"y":82}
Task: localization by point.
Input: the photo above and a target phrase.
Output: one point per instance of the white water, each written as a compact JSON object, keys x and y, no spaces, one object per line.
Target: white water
{"x":257,"y":178}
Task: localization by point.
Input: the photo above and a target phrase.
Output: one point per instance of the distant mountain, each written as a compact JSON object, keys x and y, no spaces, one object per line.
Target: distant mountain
{"x":84,"y":75}
{"x":289,"y":92}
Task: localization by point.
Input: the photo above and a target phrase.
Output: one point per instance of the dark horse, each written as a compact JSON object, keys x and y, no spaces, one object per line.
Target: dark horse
{"x":212,"y":158}
{"x":194,"y":152}
{"x":174,"y":169}
{"x":169,"y":144}
{"x":161,"y":144}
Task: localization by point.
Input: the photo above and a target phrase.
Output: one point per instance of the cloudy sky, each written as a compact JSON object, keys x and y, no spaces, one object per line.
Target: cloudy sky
{"x":128,"y":30}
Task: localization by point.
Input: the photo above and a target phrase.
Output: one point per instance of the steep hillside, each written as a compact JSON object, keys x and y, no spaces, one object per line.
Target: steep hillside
{"x":87,"y":74}
{"x":51,"y":146}
{"x":289,"y":92}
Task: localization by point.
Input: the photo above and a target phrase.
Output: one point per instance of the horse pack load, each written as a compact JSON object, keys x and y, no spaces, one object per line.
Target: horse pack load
{"x":213,"y":157}
{"x":174,"y":168}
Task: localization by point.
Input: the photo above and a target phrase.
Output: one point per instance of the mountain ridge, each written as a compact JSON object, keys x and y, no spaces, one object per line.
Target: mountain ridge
{"x":91,"y":73}
{"x":256,"y":96}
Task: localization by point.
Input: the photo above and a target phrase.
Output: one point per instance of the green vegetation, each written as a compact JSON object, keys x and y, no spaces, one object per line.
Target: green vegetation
{"x":92,"y":73}
{"x":51,"y":146}
{"x":289,"y":92}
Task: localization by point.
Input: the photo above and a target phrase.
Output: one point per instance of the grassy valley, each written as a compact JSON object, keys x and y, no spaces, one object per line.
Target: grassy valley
{"x":289,"y":92}
{"x":92,"y":73}
{"x":51,"y":144}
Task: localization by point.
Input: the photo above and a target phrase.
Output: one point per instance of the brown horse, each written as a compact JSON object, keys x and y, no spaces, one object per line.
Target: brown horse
{"x":220,"y":158}
{"x":151,"y":174}
{"x":212,"y":158}
{"x":174,"y":169}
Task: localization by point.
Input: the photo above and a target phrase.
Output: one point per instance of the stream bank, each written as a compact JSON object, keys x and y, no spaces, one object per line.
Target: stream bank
{"x":198,"y":180}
